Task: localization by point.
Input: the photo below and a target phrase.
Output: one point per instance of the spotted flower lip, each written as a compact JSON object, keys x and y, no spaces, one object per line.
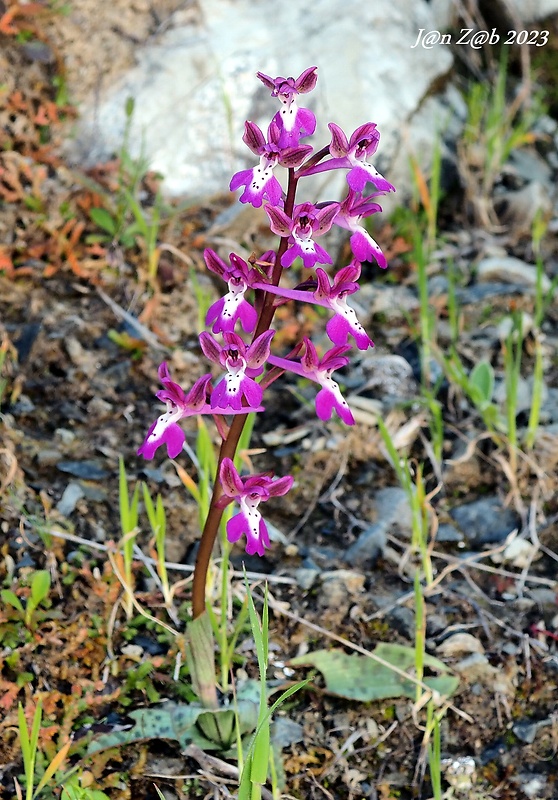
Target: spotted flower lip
{"x":249,"y":493}
{"x":294,"y":122}
{"x":307,"y":222}
{"x":259,"y":182}
{"x":329,"y":398}
{"x":237,"y":391}
{"x":352,"y":211}
{"x":165,"y":429}
{"x":353,"y":154}
{"x":225,"y":312}
{"x":332,"y":295}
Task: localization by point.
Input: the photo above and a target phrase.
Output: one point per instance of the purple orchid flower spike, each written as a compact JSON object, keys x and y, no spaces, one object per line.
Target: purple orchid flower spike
{"x":249,"y":493}
{"x":344,"y":322}
{"x":232,"y":307}
{"x":294,"y":122}
{"x":242,"y":364}
{"x":351,"y":211}
{"x":165,"y":429}
{"x":259,"y":182}
{"x":307,"y":222}
{"x":353,"y":154}
{"x":329,"y":398}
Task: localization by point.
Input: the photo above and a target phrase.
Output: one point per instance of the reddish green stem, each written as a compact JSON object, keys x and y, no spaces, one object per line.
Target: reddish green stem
{"x":229,"y":445}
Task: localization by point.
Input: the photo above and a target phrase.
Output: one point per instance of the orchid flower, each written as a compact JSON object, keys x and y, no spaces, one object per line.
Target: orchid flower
{"x":351,"y":211}
{"x":259,"y":182}
{"x":344,"y":322}
{"x":228,"y":309}
{"x":293,"y":121}
{"x":353,"y":154}
{"x":307,"y":222}
{"x":242,"y":364}
{"x":249,"y":493}
{"x":165,"y":429}
{"x":320,"y":370}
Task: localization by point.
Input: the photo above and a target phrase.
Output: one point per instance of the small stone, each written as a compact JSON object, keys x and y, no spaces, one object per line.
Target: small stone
{"x":403,"y":620}
{"x":133,"y":651}
{"x":458,"y":644}
{"x":436,"y":624}
{"x":65,"y":435}
{"x":523,"y":397}
{"x":519,"y":209}
{"x":460,"y":772}
{"x":529,"y":165}
{"x":509,"y":270}
{"x":485,"y":521}
{"x":368,"y":547}
{"x":519,"y":553}
{"x":389,"y":375}
{"x":23,"y":405}
{"x":533,"y":786}
{"x":447,"y":533}
{"x":275,"y":534}
{"x":546,"y":599}
{"x":306,"y":578}
{"x":526,"y":731}
{"x":392,"y":506}
{"x":48,"y":456}
{"x":70,"y":498}
{"x":339,"y":588}
{"x":99,"y":407}
{"x":88,"y":470}
{"x":479,"y":292}
{"x":477,"y":668}
{"x":285,"y":731}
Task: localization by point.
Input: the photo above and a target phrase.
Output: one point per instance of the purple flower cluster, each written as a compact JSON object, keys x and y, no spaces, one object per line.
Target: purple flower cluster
{"x":238,"y":391}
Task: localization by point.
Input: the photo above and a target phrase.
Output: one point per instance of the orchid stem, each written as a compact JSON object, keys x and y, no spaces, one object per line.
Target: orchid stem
{"x":229,"y":445}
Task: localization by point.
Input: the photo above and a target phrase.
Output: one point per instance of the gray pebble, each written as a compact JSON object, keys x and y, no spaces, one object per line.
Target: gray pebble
{"x":485,"y":521}
{"x":369,"y":546}
{"x":509,"y":270}
{"x":88,"y":470}
{"x":71,"y":496}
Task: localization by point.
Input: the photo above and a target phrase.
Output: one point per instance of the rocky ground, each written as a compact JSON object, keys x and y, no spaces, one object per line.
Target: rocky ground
{"x":84,"y":324}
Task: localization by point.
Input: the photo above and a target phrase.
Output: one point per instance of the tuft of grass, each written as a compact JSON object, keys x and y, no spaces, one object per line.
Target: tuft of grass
{"x":494,"y":128}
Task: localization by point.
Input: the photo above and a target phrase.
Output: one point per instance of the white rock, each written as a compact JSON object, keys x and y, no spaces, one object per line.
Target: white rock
{"x":446,"y":14}
{"x":509,"y":270}
{"x":459,"y":644}
{"x":533,"y":10}
{"x":519,"y":553}
{"x":195,"y":85}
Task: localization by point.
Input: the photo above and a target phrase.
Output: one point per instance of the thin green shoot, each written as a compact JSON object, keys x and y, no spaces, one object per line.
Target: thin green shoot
{"x":425,"y":311}
{"x":158,"y":522}
{"x":434,"y":752}
{"x":148,"y":227}
{"x":29,"y":741}
{"x":420,"y":635}
{"x":476,"y":386}
{"x":40,"y":588}
{"x":39,"y":591}
{"x":4,"y":349}
{"x":453,"y":306}
{"x":225,"y":651}
{"x":256,"y":761}
{"x":129,"y":527}
{"x":512,"y":367}
{"x":436,"y":424}
{"x":435,"y":192}
{"x":495,"y":128}
{"x":203,"y":298}
{"x":539,"y":230}
{"x":417,"y":500}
